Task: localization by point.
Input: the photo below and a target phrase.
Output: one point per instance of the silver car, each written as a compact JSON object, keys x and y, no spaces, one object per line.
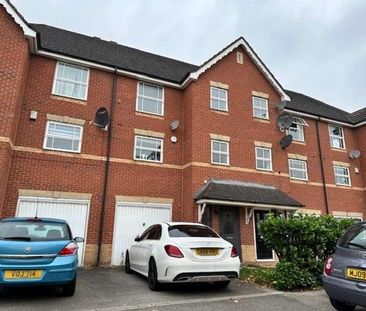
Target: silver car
{"x":344,"y":276}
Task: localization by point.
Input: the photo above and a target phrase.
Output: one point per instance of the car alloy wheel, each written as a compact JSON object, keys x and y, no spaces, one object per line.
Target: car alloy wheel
{"x":127,"y":264}
{"x":153,"y":276}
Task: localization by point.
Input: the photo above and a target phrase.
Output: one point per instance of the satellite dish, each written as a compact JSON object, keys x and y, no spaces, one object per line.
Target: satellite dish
{"x":286,"y":141}
{"x":285,"y":120}
{"x":101,"y":118}
{"x":354,"y":154}
{"x":282,"y":105}
{"x":174,"y":125}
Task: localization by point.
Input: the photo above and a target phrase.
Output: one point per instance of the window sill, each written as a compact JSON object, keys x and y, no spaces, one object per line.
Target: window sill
{"x":69,"y":99}
{"x":261,"y":120}
{"x":344,"y":186}
{"x":220,"y":164}
{"x":264,"y":170}
{"x":339,"y":149}
{"x":60,"y":150}
{"x":300,"y":181}
{"x":222,"y":112}
{"x":149,"y":115}
{"x":148,"y":161}
{"x":298,"y":142}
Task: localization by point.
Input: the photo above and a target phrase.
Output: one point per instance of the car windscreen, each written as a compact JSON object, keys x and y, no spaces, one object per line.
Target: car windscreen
{"x":185,"y":231}
{"x":354,"y":238}
{"x":34,"y":231}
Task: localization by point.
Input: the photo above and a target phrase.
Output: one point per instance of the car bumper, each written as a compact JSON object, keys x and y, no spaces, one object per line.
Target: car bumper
{"x":182,"y":270}
{"x":61,"y":271}
{"x":345,"y":290}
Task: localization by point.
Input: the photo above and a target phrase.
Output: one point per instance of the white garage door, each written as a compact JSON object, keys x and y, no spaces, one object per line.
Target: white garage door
{"x":74,"y":212}
{"x":131,"y":219}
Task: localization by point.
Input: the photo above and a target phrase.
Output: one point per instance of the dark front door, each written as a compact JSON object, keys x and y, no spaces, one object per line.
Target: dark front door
{"x":263,"y":252}
{"x":229,"y":226}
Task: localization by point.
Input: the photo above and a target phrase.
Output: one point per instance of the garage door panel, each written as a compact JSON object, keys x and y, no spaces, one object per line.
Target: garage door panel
{"x":132,"y":219}
{"x":74,"y":213}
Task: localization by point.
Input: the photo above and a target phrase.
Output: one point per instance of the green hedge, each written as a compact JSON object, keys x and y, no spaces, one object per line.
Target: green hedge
{"x":302,"y":243}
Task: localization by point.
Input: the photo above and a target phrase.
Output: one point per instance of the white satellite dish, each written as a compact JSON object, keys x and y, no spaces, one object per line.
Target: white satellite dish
{"x":174,"y":125}
{"x":354,"y":154}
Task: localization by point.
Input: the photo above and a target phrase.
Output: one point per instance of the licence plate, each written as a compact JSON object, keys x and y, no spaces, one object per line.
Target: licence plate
{"x":22,"y":274}
{"x":207,"y":251}
{"x":357,"y":274}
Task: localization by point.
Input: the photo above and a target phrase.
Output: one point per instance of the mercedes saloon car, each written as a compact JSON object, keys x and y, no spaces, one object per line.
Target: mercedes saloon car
{"x":38,"y":251}
{"x":344,"y":276}
{"x":181,"y":253}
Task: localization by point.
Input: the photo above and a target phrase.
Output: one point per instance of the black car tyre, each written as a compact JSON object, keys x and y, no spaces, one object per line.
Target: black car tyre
{"x":221,"y":284}
{"x":68,"y":290}
{"x":2,"y":291}
{"x":153,"y":276}
{"x":127,"y":264}
{"x":341,"y":306}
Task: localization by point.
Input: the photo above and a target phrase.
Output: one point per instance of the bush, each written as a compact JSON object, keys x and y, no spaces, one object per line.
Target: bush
{"x":302,"y":243}
{"x":258,"y":275}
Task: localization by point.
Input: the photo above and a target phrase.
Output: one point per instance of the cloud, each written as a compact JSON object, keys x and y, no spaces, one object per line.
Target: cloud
{"x":317,"y":47}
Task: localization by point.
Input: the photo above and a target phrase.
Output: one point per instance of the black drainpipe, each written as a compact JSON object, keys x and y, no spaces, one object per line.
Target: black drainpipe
{"x":106,"y":174}
{"x":322,"y":168}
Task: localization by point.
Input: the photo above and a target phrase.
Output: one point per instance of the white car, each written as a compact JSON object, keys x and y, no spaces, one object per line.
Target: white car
{"x":182,"y":252}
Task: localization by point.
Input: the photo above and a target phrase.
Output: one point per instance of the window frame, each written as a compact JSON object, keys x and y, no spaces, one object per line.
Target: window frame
{"x":59,"y":149}
{"x":219,"y":99}
{"x":151,"y":98}
{"x":220,"y":152}
{"x":331,"y":136}
{"x":256,"y":159}
{"x":306,"y":169}
{"x":147,"y":160}
{"x":75,"y":66}
{"x":348,"y":176}
{"x":253,"y":107}
{"x":300,"y":122}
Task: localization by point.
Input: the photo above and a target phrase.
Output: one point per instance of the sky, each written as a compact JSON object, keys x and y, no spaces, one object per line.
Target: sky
{"x":315,"y":47}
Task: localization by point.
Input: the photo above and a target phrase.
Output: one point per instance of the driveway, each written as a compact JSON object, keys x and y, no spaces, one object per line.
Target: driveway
{"x":112,"y":290}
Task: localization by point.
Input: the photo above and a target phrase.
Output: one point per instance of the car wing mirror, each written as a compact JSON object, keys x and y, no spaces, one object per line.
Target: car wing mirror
{"x":137,"y":239}
{"x":79,"y":240}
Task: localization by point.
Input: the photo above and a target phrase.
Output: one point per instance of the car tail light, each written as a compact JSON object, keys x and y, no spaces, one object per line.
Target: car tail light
{"x":328,"y":266}
{"x":234,"y":252}
{"x":69,"y":249}
{"x":173,"y":251}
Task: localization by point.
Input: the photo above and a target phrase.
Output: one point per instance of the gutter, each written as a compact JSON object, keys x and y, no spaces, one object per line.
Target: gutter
{"x":106,"y":173}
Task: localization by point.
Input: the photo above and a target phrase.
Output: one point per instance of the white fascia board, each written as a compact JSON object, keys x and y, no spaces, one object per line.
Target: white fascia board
{"x":26,"y":29}
{"x":244,"y":204}
{"x":88,"y":64}
{"x":241,"y":42}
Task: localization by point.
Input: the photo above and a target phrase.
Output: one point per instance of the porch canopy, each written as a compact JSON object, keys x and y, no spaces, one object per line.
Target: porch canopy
{"x":249,"y":195}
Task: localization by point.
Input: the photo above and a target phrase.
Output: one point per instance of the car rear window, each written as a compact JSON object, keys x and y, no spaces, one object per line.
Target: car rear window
{"x":354,"y":238}
{"x":184,"y":231}
{"x":34,"y":231}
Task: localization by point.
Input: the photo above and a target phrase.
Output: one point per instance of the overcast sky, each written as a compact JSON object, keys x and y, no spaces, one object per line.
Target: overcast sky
{"x":316,"y":47}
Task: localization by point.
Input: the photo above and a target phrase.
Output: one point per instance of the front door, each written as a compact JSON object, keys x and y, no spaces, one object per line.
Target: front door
{"x":262,"y":251}
{"x":229,"y":226}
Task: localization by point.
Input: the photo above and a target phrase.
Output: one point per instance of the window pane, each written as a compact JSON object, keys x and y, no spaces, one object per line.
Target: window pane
{"x":151,"y":91}
{"x":150,"y":98}
{"x":147,"y":148}
{"x":71,"y":81}
{"x":63,"y":137}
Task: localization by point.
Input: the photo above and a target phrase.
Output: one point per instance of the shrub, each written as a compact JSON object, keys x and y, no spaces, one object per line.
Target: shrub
{"x":302,"y":243}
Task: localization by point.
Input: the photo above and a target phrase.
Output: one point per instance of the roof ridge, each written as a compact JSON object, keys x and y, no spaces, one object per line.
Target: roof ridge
{"x":110,"y":42}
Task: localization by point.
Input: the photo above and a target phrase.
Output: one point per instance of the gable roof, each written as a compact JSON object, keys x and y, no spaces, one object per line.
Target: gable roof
{"x":303,"y":103}
{"x":244,"y":192}
{"x":108,"y":53}
{"x":358,"y":116}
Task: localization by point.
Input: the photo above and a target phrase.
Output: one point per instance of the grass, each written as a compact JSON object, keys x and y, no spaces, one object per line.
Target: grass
{"x":262,"y":276}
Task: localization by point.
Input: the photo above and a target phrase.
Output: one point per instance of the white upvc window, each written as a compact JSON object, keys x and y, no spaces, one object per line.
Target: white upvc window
{"x":148,"y":149}
{"x":71,"y":81}
{"x":336,"y":136}
{"x":342,"y":176}
{"x":263,"y":157}
{"x":298,"y":169}
{"x":219,"y":152}
{"x":218,"y":99}
{"x":260,"y":108}
{"x":150,"y":98}
{"x":296,"y":130}
{"x":63,"y":137}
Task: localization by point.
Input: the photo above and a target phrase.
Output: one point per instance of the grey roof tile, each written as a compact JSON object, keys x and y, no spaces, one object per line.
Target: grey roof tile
{"x":238,"y":191}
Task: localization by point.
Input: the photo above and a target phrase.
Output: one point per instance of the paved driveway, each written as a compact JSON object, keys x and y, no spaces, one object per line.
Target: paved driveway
{"x":112,"y":289}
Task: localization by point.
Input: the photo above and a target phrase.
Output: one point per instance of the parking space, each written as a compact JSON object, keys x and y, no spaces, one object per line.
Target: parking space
{"x":112,"y":289}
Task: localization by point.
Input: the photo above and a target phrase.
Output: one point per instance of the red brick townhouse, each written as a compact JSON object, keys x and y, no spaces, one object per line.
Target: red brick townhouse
{"x":183,"y":143}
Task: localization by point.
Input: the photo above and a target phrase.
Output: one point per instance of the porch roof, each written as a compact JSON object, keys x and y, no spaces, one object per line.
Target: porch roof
{"x":244,"y":193}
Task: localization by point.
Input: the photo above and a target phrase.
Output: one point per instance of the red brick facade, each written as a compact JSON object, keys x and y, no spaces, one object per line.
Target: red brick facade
{"x":26,"y":85}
